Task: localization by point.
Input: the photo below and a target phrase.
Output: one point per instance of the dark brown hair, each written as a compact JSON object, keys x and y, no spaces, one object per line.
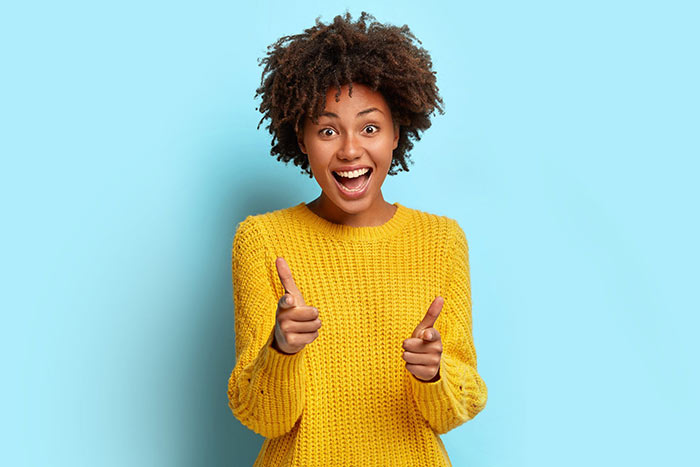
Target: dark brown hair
{"x":299,"y":70}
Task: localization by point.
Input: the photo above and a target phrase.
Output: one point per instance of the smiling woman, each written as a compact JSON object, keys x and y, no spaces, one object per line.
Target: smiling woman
{"x":340,"y":356}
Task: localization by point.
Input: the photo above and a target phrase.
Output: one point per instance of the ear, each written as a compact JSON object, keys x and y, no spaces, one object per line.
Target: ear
{"x":300,"y":142}
{"x":397,"y":133}
{"x":300,"y":135}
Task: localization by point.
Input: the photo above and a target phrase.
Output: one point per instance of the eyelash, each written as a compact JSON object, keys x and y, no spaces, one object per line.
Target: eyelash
{"x":376,"y":128}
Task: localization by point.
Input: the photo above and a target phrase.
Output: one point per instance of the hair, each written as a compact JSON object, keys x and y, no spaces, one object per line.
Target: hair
{"x":301,"y":68}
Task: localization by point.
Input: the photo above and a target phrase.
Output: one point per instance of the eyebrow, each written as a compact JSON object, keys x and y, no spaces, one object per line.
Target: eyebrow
{"x":360,"y":113}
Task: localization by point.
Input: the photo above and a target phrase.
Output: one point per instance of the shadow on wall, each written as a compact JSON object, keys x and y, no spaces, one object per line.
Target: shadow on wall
{"x":217,"y":437}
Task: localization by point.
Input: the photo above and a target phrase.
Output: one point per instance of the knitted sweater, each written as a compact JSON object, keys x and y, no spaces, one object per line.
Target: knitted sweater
{"x":347,"y":399}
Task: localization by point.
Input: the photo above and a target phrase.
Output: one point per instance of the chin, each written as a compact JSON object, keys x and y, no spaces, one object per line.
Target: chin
{"x":352,"y":206}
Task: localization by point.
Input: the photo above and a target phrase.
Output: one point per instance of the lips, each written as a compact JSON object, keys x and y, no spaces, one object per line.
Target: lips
{"x":353,"y":194}
{"x":348,"y":168}
{"x":342,"y":179}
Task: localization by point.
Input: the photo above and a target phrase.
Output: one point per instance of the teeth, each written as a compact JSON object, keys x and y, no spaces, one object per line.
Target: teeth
{"x":354,"y":173}
{"x":359,"y":188}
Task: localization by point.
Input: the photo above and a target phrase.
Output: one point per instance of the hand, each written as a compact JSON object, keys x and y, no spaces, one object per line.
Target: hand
{"x":296,"y":324}
{"x":423,"y":350}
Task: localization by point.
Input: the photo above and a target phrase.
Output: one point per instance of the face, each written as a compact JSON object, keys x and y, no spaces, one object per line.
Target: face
{"x":355,"y":132}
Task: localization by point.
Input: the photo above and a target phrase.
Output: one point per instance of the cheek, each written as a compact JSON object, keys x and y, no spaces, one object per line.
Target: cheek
{"x":383,"y":151}
{"x":387,"y":141}
{"x":318,"y":161}
{"x":320,"y":150}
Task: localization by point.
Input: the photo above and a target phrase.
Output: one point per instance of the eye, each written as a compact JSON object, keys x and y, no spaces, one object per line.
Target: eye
{"x":323,"y":132}
{"x":374,"y":129}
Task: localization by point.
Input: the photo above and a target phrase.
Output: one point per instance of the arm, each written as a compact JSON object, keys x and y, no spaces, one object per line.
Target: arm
{"x":459,"y":393}
{"x":266,"y":387}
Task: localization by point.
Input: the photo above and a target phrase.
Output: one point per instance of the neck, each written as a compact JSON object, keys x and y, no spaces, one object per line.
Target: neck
{"x":376,"y":214}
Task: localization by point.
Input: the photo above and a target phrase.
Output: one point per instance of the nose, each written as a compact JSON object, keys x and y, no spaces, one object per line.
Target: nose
{"x":351,"y":148}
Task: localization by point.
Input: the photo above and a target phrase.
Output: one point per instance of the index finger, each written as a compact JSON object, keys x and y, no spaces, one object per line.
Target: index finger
{"x":285,"y":275}
{"x":433,"y":312}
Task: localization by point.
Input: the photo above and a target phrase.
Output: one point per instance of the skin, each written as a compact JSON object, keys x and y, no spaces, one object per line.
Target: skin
{"x":351,"y":139}
{"x":348,"y":139}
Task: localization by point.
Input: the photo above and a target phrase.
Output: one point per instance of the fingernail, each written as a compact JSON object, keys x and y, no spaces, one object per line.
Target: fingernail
{"x":426,"y":334}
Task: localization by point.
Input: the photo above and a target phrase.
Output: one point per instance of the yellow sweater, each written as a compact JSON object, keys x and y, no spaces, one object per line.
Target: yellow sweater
{"x":347,"y":399}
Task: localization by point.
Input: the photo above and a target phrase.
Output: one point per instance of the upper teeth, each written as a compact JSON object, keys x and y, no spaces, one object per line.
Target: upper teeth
{"x":354,"y":173}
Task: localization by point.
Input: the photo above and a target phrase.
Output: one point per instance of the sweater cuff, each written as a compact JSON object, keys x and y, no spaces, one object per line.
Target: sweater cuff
{"x":435,"y":393}
{"x":280,"y":366}
{"x":438,"y":396}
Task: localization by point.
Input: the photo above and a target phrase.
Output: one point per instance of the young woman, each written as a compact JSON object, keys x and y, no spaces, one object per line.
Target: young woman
{"x":352,"y":314}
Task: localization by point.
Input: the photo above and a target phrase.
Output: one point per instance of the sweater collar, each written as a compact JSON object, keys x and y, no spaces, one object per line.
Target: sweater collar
{"x":346,"y":232}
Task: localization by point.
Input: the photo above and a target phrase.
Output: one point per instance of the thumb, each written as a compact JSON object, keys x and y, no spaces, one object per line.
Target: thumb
{"x":288,"y":300}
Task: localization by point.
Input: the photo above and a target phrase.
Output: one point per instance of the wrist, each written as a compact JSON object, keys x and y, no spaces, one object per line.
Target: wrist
{"x":277,"y":348}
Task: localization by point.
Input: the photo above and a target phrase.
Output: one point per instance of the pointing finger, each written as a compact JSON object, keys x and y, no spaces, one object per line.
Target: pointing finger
{"x":430,"y":317}
{"x":285,"y":275}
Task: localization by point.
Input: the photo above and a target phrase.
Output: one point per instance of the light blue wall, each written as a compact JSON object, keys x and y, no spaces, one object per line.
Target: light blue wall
{"x":568,"y":153}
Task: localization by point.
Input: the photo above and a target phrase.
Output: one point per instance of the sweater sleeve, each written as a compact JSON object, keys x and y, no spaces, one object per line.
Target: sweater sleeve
{"x":266,"y":387}
{"x":460,"y":393}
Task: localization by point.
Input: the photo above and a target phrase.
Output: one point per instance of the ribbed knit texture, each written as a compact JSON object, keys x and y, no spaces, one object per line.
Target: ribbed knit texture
{"x":347,"y":399}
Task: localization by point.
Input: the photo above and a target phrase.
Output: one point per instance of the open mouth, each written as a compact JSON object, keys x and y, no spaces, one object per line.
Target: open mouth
{"x":356,"y":184}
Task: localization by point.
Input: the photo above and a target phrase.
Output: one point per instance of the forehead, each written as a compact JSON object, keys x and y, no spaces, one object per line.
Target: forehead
{"x":362,"y":97}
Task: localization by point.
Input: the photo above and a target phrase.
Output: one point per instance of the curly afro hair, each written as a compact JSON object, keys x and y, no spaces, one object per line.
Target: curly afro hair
{"x":300,"y":69}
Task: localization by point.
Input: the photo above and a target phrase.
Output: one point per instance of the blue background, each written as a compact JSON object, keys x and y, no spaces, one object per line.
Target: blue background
{"x":568,"y":153}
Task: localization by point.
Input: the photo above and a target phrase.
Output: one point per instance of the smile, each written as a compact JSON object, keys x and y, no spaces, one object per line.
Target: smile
{"x":355,"y":188}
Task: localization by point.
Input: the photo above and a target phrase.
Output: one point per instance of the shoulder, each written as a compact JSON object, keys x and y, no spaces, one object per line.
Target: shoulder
{"x":252,"y":230}
{"x":441,"y":226}
{"x":258,"y":223}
